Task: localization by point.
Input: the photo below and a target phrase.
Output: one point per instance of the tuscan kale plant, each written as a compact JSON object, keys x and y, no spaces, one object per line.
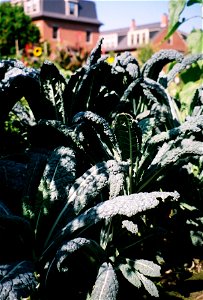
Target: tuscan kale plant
{"x":94,"y":197}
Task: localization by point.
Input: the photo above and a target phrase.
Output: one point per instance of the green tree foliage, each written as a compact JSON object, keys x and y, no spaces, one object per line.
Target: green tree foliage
{"x":15,"y":27}
{"x":145,"y":53}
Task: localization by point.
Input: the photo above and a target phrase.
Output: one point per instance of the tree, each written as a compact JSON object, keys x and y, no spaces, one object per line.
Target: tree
{"x":145,"y":53}
{"x":16,"y":29}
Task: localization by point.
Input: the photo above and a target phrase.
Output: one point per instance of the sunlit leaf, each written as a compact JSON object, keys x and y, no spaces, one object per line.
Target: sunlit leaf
{"x":175,"y":10}
{"x":191,"y":2}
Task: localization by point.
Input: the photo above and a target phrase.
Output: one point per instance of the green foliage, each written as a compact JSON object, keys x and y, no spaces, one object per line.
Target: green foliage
{"x":175,"y":10}
{"x":101,"y":178}
{"x":15,"y":27}
{"x":195,"y":41}
{"x":70,"y":59}
{"x":145,"y":53}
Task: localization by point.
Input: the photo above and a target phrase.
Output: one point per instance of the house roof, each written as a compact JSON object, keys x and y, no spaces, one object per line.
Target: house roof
{"x":120,"y":31}
{"x":56,"y":9}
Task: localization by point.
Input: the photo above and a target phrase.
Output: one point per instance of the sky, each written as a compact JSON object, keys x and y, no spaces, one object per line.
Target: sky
{"x":116,"y":14}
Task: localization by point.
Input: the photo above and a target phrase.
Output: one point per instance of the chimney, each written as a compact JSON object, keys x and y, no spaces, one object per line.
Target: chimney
{"x":164,"y":20}
{"x":132,"y":24}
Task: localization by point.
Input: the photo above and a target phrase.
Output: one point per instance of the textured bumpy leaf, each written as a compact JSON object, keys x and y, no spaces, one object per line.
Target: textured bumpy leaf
{"x":168,"y":156}
{"x":17,"y":280}
{"x":130,"y":226}
{"x":155,"y":93}
{"x":63,"y":255}
{"x":17,"y":81}
{"x":12,"y":174}
{"x":149,"y":285}
{"x":193,"y":126}
{"x":147,"y":267}
{"x":126,"y":63}
{"x":91,"y":183}
{"x":121,"y":205}
{"x":178,"y":67}
{"x":24,"y":114}
{"x":95,"y":54}
{"x":130,"y":275}
{"x":134,"y":272}
{"x":128,"y":135}
{"x":154,"y":65}
{"x":103,"y":130}
{"x":106,"y":285}
{"x":59,"y":174}
{"x":52,"y":87}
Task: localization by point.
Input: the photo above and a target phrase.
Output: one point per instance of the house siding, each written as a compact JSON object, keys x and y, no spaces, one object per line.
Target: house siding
{"x":135,"y":37}
{"x":175,"y":42}
{"x":69,"y":34}
{"x":73,"y":30}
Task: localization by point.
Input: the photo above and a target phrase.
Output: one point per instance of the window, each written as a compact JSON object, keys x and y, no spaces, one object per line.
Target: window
{"x":143,"y":38}
{"x":71,"y":7}
{"x":31,"y":6}
{"x":132,"y":39}
{"x":138,"y":39}
{"x":88,"y":36}
{"x":55,"y":32}
{"x":34,"y":7}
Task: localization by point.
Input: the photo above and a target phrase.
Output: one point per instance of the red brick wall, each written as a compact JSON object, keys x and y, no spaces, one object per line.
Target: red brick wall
{"x":69,"y":34}
{"x":175,"y":42}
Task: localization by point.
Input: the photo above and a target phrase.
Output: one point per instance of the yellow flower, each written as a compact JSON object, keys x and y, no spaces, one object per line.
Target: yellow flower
{"x":37,"y":51}
{"x":110,"y":59}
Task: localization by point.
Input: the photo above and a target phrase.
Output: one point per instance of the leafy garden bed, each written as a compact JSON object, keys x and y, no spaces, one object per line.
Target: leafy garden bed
{"x":100,"y":180}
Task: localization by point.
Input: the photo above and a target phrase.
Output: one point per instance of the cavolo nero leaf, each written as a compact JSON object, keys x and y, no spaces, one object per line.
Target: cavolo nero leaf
{"x":106,"y":285}
{"x":149,"y":285}
{"x":135,"y":271}
{"x":130,"y":274}
{"x":102,"y":130}
{"x":17,"y":81}
{"x":52,"y":89}
{"x":64,"y":253}
{"x":59,"y":174}
{"x":147,"y":267}
{"x":17,"y":280}
{"x":168,"y":156}
{"x":178,"y":67}
{"x":91,"y":183}
{"x":88,"y":186}
{"x":155,"y":64}
{"x":122,"y":205}
{"x":129,"y":136}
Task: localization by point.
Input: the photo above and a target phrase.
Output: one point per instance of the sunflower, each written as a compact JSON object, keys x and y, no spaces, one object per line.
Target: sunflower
{"x":37,"y":51}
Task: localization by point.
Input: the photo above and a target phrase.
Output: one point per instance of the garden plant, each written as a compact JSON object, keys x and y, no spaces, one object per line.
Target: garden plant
{"x":100,"y":179}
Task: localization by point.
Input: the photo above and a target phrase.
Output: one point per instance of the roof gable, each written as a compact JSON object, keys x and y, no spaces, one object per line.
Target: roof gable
{"x":86,"y":9}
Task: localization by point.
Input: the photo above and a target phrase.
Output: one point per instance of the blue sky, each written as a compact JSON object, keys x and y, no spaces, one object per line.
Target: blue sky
{"x":117,"y":14}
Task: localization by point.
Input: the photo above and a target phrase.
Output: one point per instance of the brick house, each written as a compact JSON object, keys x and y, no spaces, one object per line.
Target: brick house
{"x":68,"y":23}
{"x":136,"y":36}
